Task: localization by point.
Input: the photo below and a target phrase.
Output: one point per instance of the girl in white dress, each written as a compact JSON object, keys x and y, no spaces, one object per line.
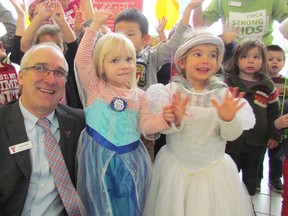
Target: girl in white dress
{"x":192,"y":175}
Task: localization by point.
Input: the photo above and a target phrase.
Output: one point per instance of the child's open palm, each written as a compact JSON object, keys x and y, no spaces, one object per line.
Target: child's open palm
{"x":231,"y":104}
{"x":101,"y":16}
{"x":58,"y":13}
{"x":45,"y":10}
{"x":21,"y":8}
{"x":78,"y":20}
{"x":194,"y":3}
{"x":175,"y":112}
{"x":179,"y":107}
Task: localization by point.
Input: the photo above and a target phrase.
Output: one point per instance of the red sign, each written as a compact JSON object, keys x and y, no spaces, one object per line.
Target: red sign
{"x":118,"y":6}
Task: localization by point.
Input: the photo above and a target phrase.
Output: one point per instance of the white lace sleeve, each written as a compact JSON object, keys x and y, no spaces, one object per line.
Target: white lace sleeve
{"x":158,"y":95}
{"x":246,"y":116}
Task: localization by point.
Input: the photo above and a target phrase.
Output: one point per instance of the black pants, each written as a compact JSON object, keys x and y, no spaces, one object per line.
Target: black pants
{"x":159,"y":143}
{"x":276,"y":156}
{"x":248,"y":161}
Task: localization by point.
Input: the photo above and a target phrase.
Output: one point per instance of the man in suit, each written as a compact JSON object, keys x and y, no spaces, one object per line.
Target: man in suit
{"x":27,"y":186}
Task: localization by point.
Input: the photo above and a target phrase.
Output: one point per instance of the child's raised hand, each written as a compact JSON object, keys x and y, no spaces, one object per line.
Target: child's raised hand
{"x":58,"y":13}
{"x":101,"y":16}
{"x":161,"y":25}
{"x":21,"y":8}
{"x":188,"y":9}
{"x":229,"y":36}
{"x":193,"y":4}
{"x":78,"y":20}
{"x":231,"y":104}
{"x":45,"y":10}
{"x":179,"y":107}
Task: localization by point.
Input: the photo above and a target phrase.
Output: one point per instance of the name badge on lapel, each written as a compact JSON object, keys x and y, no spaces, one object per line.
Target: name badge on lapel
{"x":20,"y":147}
{"x":234,"y":3}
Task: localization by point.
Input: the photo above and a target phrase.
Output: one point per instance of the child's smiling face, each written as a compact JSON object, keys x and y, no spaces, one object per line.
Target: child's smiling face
{"x":200,"y":63}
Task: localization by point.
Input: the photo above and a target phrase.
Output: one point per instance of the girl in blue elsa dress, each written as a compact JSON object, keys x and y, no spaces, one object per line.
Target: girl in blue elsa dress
{"x":114,"y":166}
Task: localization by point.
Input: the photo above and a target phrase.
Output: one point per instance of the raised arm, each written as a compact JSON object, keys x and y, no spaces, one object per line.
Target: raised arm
{"x":100,"y":17}
{"x":21,"y":9}
{"x":83,"y":59}
{"x":160,"y":29}
{"x":45,"y":11}
{"x":162,"y":55}
{"x":78,"y":21}
{"x":87,"y":9}
{"x":59,"y":18}
{"x":9,"y":23}
{"x":197,"y":18}
{"x":189,"y":7}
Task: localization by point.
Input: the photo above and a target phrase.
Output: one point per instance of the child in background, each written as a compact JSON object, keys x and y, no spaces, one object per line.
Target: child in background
{"x":9,"y":22}
{"x":62,"y":35}
{"x":247,"y":70}
{"x":9,"y":87}
{"x":134,"y":25}
{"x":280,"y":125}
{"x":276,"y":62}
{"x":114,"y":166}
{"x":192,"y":175}
{"x":21,"y":8}
{"x":69,"y":7}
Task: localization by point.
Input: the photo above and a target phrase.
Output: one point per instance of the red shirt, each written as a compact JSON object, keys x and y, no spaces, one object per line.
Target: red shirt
{"x":9,"y":87}
{"x":70,"y":13}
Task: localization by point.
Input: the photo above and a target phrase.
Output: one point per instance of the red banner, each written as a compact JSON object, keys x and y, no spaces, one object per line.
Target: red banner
{"x":118,"y":6}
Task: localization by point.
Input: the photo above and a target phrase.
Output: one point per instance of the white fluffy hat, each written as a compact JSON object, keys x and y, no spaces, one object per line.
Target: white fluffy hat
{"x":197,"y":40}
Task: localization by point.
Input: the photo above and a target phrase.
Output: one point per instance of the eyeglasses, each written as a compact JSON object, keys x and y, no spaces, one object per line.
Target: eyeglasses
{"x":45,"y":72}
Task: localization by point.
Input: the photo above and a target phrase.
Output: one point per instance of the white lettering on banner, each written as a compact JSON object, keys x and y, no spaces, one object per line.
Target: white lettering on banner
{"x":253,"y":24}
{"x":9,"y":89}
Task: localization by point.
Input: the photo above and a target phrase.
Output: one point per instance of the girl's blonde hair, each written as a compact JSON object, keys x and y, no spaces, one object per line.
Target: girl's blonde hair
{"x":113,"y":42}
{"x":243,"y":47}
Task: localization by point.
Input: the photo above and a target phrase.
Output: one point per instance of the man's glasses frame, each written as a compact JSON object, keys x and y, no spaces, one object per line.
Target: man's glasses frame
{"x":45,"y":72}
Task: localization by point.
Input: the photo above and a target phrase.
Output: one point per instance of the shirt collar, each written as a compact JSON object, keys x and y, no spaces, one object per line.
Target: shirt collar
{"x":30,"y":120}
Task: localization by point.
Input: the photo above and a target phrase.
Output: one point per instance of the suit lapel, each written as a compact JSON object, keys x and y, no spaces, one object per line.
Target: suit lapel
{"x":17,"y":134}
{"x":66,"y":125}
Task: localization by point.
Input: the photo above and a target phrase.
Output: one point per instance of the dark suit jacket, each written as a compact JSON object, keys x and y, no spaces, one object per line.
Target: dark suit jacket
{"x":15,"y":170}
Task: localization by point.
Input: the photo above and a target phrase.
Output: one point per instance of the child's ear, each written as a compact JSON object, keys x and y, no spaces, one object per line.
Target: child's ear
{"x":182,"y":63}
{"x":146,"y":40}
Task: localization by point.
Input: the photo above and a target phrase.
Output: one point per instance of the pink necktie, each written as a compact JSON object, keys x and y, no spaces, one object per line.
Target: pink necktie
{"x":59,"y":170}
